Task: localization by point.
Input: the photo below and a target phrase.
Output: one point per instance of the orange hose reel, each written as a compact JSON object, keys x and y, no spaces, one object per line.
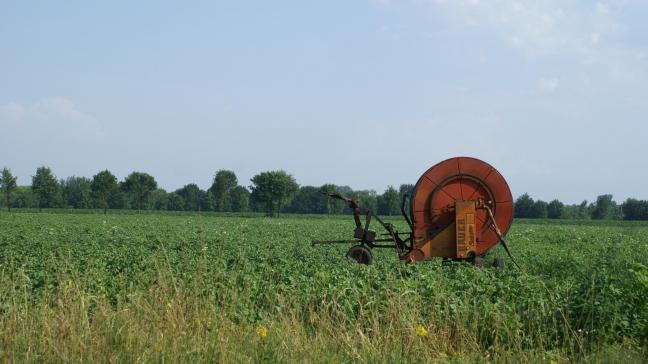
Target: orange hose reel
{"x":448,"y":209}
{"x":459,"y":209}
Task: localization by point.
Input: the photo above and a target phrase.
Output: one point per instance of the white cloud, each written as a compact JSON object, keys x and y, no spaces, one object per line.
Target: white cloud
{"x":11,"y":114}
{"x":602,"y":8}
{"x":594,"y":38}
{"x":49,"y":119}
{"x":385,"y":2}
{"x":535,"y":28}
{"x":548,"y":84}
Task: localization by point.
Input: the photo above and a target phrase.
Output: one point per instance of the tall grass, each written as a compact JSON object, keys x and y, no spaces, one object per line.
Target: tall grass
{"x":89,"y":288}
{"x":169,"y":322}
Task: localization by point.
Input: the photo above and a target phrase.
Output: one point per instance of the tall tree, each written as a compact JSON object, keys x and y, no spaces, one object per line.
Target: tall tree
{"x":405,"y":190}
{"x":139,"y":185}
{"x":221,"y":189}
{"x":273,"y":190}
{"x":368,"y":200}
{"x":583,"y":210}
{"x":175,"y":203}
{"x":306,"y":201}
{"x":602,"y":208}
{"x":634,"y":209}
{"x":46,"y":188}
{"x":524,"y":206}
{"x":346,"y":191}
{"x":240,"y":198}
{"x":103,"y":187}
{"x":329,"y":205}
{"x":539,"y":210}
{"x":7,"y":185}
{"x":76,"y":192}
{"x":120,"y":200}
{"x":159,"y":200}
{"x":24,"y":198}
{"x":206,"y":201}
{"x":555,"y":209}
{"x":388,"y":202}
{"x":191,"y":194}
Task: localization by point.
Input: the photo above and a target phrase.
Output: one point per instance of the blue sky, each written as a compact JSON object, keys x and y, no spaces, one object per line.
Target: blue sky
{"x":363,"y":93}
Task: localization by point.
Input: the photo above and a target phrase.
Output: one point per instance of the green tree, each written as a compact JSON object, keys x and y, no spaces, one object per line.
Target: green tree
{"x":175,"y":203}
{"x":602,"y":208}
{"x":524,"y":206}
{"x":191,"y":195}
{"x":367,"y":199}
{"x":615,"y":212}
{"x":24,"y":198}
{"x":240,"y":198}
{"x":8,"y":185}
{"x":345,"y":191}
{"x":273,"y":190}
{"x":46,"y":188}
{"x":159,"y":200}
{"x":539,"y":210}
{"x":120,"y":200}
{"x":583,"y":211}
{"x":308,"y":200}
{"x":329,"y":205}
{"x":555,"y":209}
{"x":389,"y":202}
{"x":314,"y":200}
{"x":224,"y":183}
{"x":634,"y":209}
{"x":206,"y":202}
{"x":77,"y":192}
{"x":406,"y":189}
{"x":139,"y":186}
{"x":104,"y":187}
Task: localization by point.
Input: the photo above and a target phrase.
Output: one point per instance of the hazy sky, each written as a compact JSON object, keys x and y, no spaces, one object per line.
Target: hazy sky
{"x":362,"y":93}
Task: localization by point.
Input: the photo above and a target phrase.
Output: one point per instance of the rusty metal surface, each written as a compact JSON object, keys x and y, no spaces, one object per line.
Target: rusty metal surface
{"x":367,"y":238}
{"x":460,"y":179}
{"x":459,"y":209}
{"x":466,"y":239}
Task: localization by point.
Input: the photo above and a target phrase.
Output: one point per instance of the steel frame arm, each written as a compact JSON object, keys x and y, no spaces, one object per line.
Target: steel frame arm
{"x":367,"y":235}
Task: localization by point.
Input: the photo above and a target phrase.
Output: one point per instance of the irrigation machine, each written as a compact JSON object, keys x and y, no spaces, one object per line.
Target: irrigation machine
{"x":459,"y":210}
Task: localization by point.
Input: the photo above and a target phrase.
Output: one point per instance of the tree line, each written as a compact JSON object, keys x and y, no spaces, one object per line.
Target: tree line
{"x":604,"y":208}
{"x":271,"y":192}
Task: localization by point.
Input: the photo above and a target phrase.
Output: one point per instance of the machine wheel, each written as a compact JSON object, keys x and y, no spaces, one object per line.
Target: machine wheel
{"x":478,"y":261}
{"x":415,"y":255}
{"x":499,"y":263}
{"x":360,"y":254}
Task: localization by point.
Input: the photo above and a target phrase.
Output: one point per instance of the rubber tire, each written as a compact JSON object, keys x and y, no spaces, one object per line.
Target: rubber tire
{"x":360,"y":254}
{"x":478,"y":261}
{"x":499,"y":263}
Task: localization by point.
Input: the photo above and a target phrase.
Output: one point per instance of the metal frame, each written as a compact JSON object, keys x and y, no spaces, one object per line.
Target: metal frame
{"x":365,"y":237}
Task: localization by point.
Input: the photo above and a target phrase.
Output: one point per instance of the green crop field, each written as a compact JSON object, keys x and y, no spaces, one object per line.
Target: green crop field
{"x":126,"y":288}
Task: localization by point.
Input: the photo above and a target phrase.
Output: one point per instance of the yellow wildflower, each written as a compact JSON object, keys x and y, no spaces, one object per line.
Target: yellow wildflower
{"x":553,"y":362}
{"x":421,"y":331}
{"x":262,"y":331}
